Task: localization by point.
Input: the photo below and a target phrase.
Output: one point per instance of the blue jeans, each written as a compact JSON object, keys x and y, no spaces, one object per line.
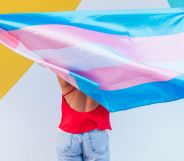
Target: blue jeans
{"x":88,"y":146}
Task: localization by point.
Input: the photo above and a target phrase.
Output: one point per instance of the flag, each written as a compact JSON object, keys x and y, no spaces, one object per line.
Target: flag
{"x":121,"y":58}
{"x":16,"y":65}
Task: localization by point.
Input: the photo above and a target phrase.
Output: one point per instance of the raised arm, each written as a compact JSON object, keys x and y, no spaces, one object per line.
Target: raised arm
{"x":65,"y":86}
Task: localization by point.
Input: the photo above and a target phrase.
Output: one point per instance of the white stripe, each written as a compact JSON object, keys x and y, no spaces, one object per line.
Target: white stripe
{"x":80,"y":58}
{"x":76,"y":58}
{"x":176,"y":66}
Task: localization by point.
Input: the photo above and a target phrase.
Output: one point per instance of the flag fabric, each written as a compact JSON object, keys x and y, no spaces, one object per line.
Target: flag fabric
{"x":176,"y":3}
{"x":16,"y":65}
{"x":121,"y":58}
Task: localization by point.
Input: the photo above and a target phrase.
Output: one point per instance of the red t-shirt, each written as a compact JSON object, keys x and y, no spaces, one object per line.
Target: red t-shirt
{"x":76,"y":122}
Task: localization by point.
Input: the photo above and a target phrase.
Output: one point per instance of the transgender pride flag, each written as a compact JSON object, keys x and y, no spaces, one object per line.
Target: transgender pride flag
{"x":121,"y":58}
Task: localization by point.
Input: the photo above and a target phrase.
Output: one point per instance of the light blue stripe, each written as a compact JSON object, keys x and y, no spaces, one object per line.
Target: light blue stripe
{"x":176,"y":3}
{"x":135,"y":23}
{"x":140,"y":95}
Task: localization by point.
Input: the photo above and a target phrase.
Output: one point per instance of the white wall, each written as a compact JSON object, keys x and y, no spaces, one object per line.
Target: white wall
{"x":29,"y":115}
{"x":121,"y":4}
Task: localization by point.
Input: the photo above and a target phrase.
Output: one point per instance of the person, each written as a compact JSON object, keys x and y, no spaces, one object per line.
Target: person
{"x":83,"y":130}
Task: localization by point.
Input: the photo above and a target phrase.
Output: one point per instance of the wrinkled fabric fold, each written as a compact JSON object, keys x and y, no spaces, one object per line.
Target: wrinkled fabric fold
{"x":123,"y":59}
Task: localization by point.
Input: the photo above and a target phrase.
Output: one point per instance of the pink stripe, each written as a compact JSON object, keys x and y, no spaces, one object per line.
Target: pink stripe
{"x":41,"y":37}
{"x":6,"y":38}
{"x":126,"y":75}
{"x":157,"y":48}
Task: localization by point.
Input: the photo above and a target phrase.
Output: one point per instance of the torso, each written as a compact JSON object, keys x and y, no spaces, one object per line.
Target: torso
{"x":80,"y":113}
{"x":76,"y":99}
{"x":80,"y":102}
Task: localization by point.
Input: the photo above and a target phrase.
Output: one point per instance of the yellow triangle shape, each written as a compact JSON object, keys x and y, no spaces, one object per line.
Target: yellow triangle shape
{"x":13,"y":66}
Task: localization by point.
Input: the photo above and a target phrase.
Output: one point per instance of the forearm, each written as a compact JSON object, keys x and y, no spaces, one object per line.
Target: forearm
{"x":64,"y":84}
